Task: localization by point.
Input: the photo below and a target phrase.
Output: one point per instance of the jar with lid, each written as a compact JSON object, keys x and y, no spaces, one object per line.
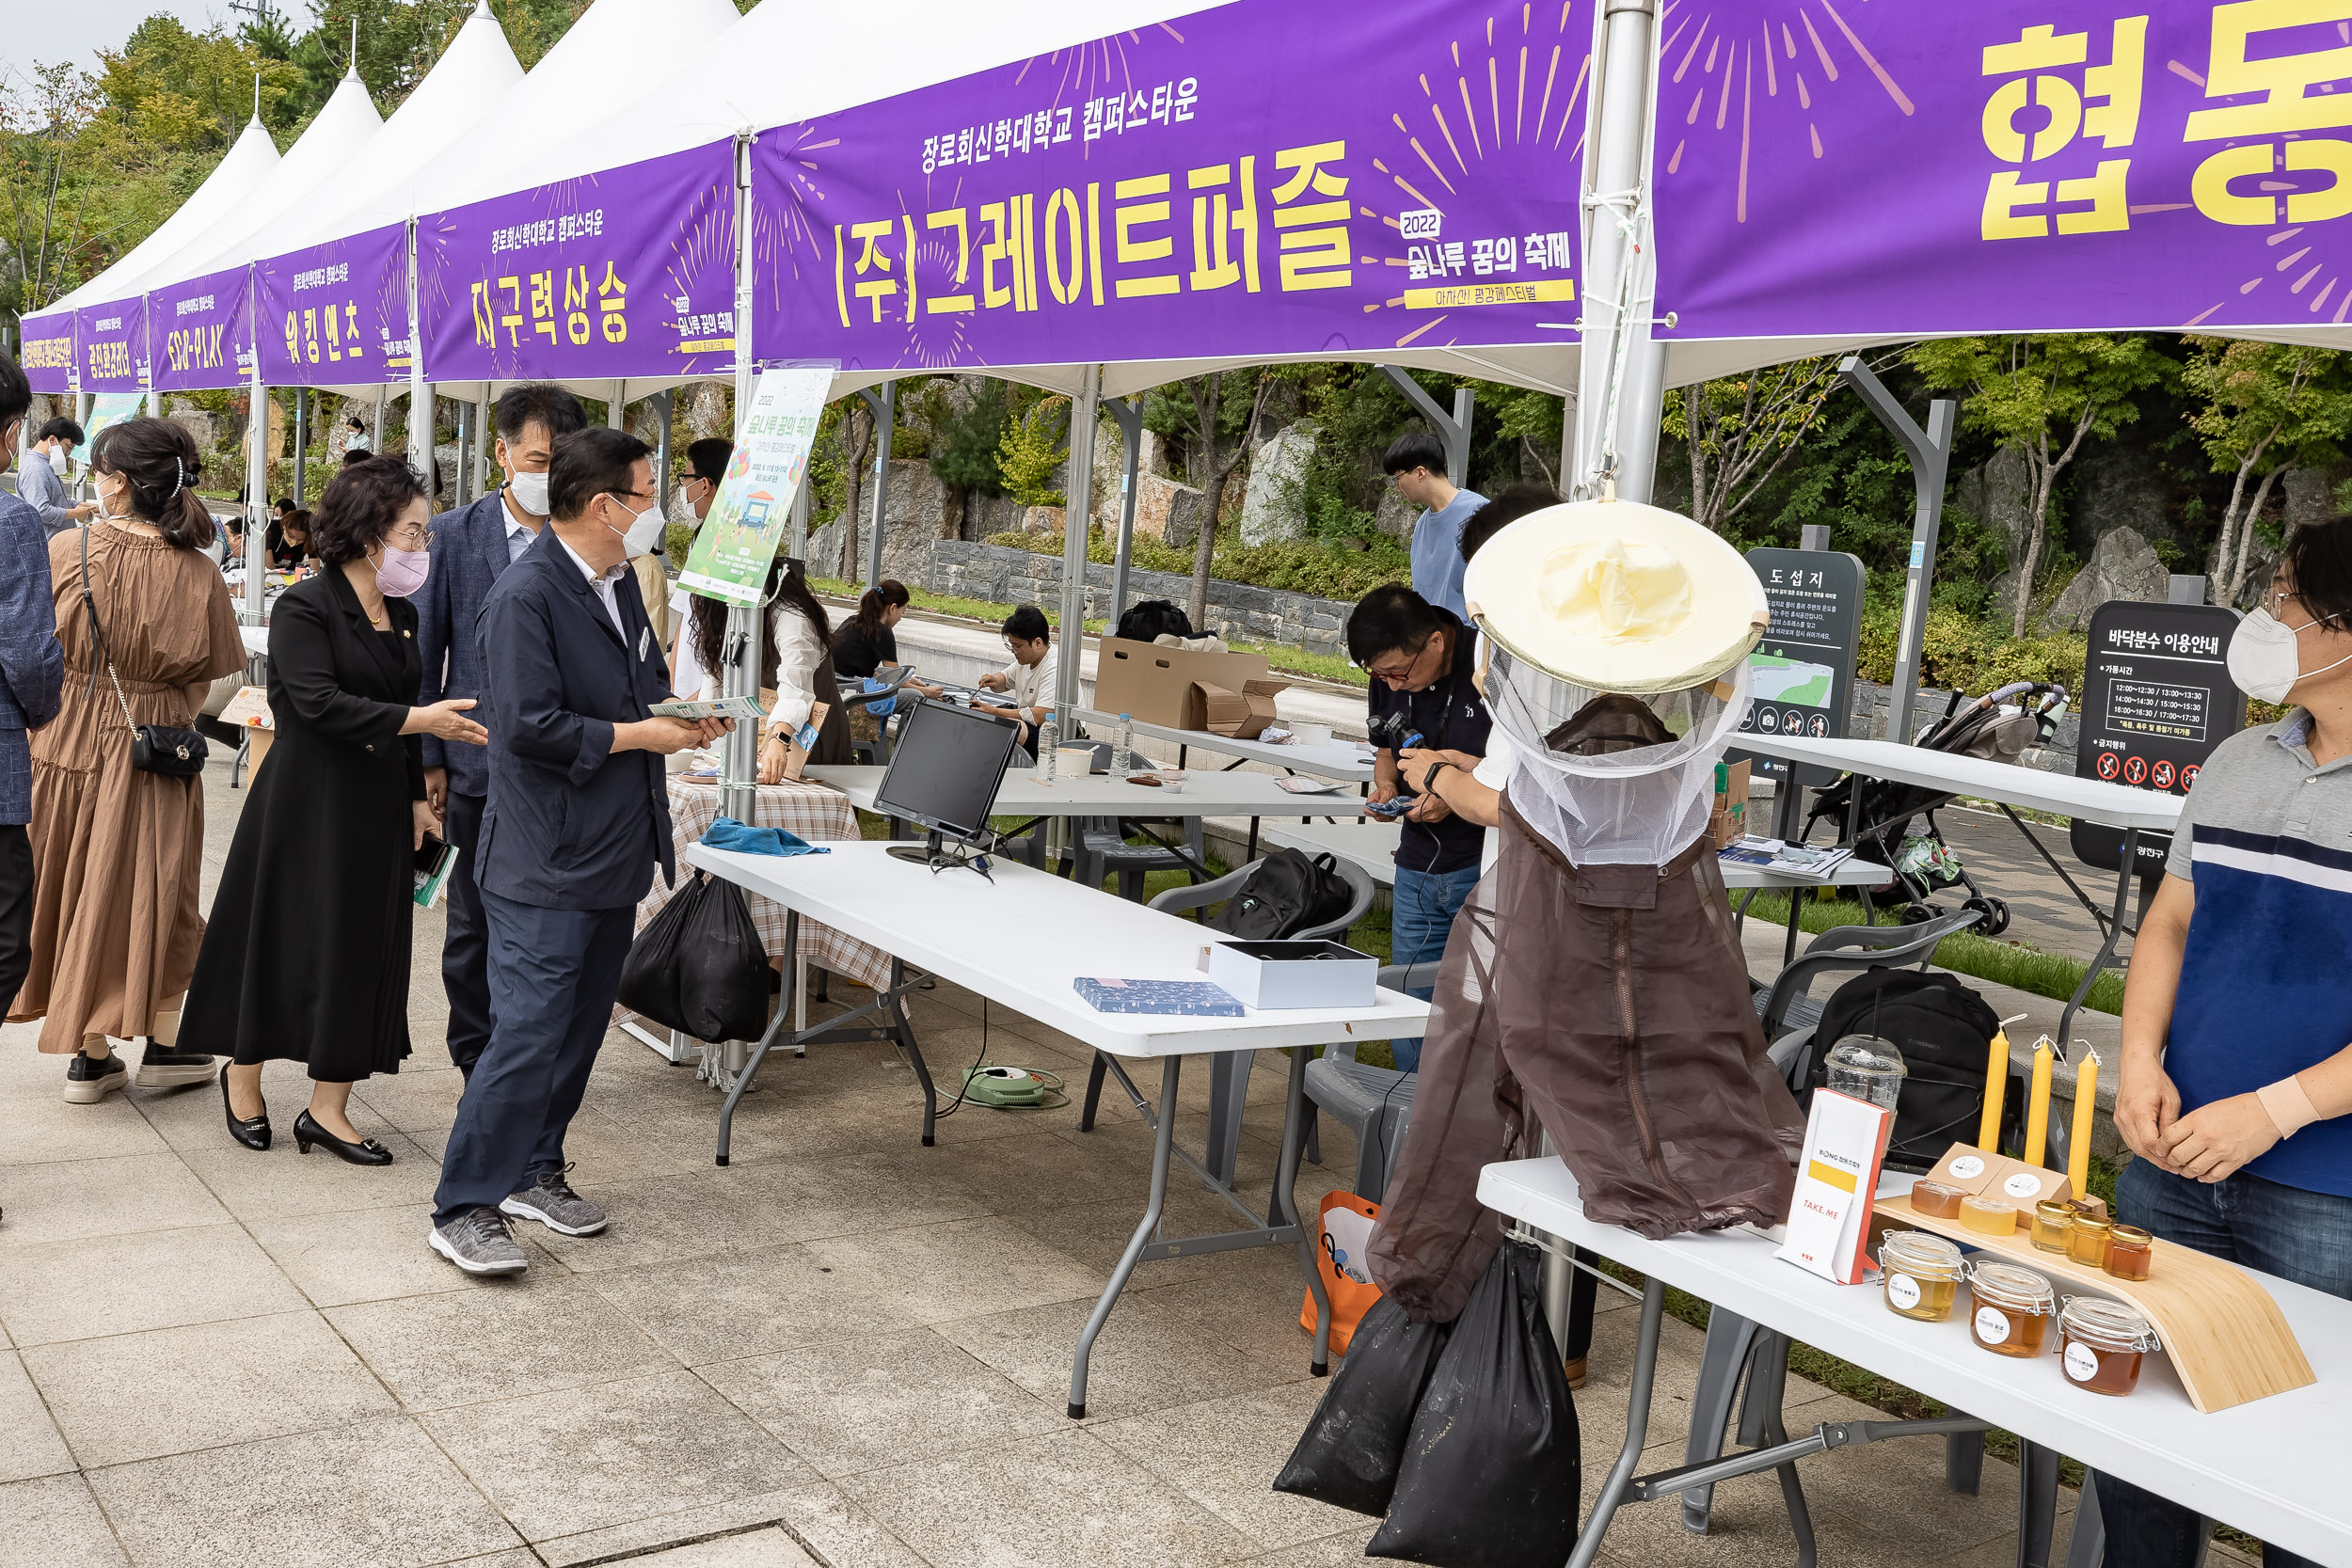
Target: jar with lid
{"x":2014,"y":1305}
{"x":2086,"y":1240}
{"x":2052,"y":1218}
{"x":2101,"y":1342}
{"x":1922,"y":1273}
{"x":2130,"y":1250}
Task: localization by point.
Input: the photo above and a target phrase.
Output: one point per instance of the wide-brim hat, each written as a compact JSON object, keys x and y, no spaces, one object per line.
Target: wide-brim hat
{"x":1616,"y":596}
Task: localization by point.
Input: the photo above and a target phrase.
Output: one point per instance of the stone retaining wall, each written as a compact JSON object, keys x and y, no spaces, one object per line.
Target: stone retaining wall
{"x":1001,"y":574}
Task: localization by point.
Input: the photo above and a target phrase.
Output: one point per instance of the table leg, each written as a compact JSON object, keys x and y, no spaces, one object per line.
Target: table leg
{"x":751,"y":1070}
{"x":1251,"y":853}
{"x":904,"y":1029}
{"x":1286,"y":1195}
{"x":2124,"y":867}
{"x":1620,"y":1481}
{"x":2037,"y":1492}
{"x":1163,"y":1142}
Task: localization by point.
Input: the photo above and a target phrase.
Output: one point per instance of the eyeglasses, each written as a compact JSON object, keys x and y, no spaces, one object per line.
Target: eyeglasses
{"x":1396,"y":677}
{"x":407,"y":537}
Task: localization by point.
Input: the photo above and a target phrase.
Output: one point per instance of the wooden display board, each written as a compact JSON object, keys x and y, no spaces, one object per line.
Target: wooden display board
{"x":2227,"y":1339}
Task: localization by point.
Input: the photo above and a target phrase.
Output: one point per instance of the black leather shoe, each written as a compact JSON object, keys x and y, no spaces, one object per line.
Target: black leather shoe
{"x":87,"y":1080}
{"x":367,"y":1151}
{"x":251,"y":1131}
{"x":162,"y":1068}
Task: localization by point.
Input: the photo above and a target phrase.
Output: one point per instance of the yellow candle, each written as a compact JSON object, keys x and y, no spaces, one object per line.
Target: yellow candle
{"x":2085,"y":1105}
{"x":2038,"y":1107}
{"x":1995,"y":1086}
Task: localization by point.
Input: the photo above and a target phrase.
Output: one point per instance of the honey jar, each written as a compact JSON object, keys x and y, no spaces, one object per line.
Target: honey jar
{"x":2051,"y":1218}
{"x":2013,"y":1304}
{"x":2101,"y":1344}
{"x":1936,"y":1200}
{"x":2130,"y":1251}
{"x":1989,"y":1216}
{"x":1922,"y":1273}
{"x":2086,"y":1240}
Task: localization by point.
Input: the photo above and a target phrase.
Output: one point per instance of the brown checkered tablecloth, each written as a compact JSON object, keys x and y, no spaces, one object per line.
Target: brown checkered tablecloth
{"x":815,"y":813}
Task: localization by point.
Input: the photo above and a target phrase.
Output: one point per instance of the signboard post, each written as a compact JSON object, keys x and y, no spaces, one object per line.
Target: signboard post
{"x":1802,"y":671}
{"x":2156,"y":700}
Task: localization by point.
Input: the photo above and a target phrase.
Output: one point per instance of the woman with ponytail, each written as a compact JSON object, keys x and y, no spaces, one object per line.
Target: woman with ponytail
{"x":118,"y":851}
{"x":865,"y":645}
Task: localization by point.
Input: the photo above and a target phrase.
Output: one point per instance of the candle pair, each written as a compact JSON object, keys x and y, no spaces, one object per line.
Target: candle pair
{"x":2038,"y":1105}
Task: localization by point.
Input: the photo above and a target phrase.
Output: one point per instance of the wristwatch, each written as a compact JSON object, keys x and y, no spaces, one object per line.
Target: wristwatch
{"x":1429,"y":780}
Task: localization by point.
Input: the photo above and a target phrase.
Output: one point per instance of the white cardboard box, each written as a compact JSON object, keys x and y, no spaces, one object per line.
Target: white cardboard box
{"x":1293,"y":973}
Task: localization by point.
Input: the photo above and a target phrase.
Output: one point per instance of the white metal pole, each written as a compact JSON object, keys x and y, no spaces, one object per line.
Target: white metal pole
{"x":1618,"y":387}
{"x":885,"y":419}
{"x":419,"y":392}
{"x":740,"y":752}
{"x":1073,"y":547}
{"x":256,"y":491}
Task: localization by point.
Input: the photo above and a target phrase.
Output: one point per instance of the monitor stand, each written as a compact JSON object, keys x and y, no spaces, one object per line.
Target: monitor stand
{"x":940,"y":855}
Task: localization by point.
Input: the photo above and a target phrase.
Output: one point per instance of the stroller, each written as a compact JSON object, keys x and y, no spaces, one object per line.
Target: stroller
{"x":1997,"y":727}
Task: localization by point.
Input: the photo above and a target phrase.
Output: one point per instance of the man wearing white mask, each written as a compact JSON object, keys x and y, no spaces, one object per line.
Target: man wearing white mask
{"x":472,"y":546}
{"x":41,"y":481}
{"x":576,"y":821}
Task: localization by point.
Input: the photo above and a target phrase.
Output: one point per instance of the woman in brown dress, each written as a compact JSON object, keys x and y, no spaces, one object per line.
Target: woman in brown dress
{"x":118,"y":852}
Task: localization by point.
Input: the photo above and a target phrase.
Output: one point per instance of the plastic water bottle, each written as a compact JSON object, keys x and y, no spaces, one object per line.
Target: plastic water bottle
{"x":1048,"y":748}
{"x":1126,"y":758}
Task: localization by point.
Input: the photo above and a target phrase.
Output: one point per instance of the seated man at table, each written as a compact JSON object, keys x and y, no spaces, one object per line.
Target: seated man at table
{"x":1029,"y":679}
{"x":1420,"y":656}
{"x":2236,"y":1084}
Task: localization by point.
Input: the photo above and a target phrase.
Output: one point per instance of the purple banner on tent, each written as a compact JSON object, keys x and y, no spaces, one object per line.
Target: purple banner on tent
{"x":626,"y":273}
{"x":203,"y":332}
{"x":47,"y":342}
{"x":110,"y":341}
{"x":1270,"y":177}
{"x":1913,"y":167}
{"x":337,"y":313}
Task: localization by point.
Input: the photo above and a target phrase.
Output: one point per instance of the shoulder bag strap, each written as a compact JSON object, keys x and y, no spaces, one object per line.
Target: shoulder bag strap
{"x":98,"y":632}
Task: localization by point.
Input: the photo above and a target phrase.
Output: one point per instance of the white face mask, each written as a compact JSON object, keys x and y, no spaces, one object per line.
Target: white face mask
{"x":61,"y":460}
{"x":2265,"y":659}
{"x":530,"y":492}
{"x":644,"y":534}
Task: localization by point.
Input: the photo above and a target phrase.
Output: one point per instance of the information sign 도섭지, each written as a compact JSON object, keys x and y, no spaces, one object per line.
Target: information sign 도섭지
{"x":1801,"y":673}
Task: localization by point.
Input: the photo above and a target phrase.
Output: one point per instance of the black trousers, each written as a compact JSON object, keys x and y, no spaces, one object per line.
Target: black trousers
{"x":465,"y":952}
{"x":16,"y":910}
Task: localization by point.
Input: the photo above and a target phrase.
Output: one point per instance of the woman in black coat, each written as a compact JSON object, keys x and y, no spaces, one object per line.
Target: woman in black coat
{"x":305,"y":957}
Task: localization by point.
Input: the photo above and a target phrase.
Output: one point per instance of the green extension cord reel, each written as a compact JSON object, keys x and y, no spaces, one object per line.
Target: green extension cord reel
{"x":1013,"y":1088}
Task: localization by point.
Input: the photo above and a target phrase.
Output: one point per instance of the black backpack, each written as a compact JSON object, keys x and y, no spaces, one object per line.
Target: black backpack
{"x":1286,"y":893}
{"x":1151,"y":618}
{"x":1943,"y":1029}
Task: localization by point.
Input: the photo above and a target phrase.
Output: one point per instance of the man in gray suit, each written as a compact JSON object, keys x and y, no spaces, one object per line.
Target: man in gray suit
{"x":472,"y":546}
{"x":39,"y":485}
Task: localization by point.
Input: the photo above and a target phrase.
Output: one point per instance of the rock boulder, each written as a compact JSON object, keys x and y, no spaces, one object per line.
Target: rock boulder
{"x":2123,"y":566}
{"x":1269,"y":508}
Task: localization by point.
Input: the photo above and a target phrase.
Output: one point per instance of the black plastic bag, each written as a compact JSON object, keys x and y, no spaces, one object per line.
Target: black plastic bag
{"x":1348,"y":1455}
{"x":700,"y":966}
{"x":1491,"y":1472}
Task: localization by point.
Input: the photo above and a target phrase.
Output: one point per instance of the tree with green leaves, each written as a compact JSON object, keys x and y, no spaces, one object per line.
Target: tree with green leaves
{"x":1739,"y":431}
{"x":2267,"y":408}
{"x":1218,"y":417}
{"x":2045,"y":394}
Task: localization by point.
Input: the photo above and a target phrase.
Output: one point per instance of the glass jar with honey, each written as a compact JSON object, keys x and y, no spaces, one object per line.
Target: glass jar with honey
{"x":2101,"y":1342}
{"x":2130,"y":1250}
{"x":1922,"y":1273}
{"x":2014,"y":1305}
{"x":2086,"y":1240}
{"x":1936,"y":1200}
{"x":2052,"y":1218}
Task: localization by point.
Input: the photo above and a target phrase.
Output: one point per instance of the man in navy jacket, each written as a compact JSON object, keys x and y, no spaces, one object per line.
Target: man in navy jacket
{"x":576,"y":819}
{"x":472,"y":546}
{"x":32,"y":673}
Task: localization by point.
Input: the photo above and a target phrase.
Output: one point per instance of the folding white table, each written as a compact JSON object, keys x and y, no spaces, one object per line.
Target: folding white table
{"x":985,"y":936}
{"x":2009,"y":787}
{"x":1335,"y":759}
{"x":2274,"y":1468}
{"x":1111,"y":795}
{"x":1372,"y":846}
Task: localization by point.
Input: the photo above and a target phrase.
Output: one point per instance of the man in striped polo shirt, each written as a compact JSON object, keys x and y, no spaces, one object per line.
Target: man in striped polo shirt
{"x":2237,"y":1088}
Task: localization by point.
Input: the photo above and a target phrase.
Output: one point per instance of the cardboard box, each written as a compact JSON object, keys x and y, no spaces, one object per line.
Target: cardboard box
{"x":1157,"y":685}
{"x":1997,"y":1176}
{"x":1727,"y":823}
{"x":1242,"y":714}
{"x":1295,"y":973}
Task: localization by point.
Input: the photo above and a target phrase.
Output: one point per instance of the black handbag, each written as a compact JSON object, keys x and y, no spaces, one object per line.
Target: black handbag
{"x":175,"y":753}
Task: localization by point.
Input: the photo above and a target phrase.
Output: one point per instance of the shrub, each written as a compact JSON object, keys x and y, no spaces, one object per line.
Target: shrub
{"x":1295,"y":566}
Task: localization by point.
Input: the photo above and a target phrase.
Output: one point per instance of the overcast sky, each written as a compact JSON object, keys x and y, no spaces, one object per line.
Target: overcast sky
{"x":52,"y":30}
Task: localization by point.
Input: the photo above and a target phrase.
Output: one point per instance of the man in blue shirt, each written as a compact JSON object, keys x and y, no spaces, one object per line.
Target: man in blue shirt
{"x":1416,"y":466}
{"x":2237,"y":1087}
{"x":38,"y":484}
{"x":472,"y":548}
{"x":32,"y":675}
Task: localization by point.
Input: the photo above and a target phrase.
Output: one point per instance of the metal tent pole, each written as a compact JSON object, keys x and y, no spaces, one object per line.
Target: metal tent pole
{"x":1083,"y":411}
{"x":383,"y":408}
{"x":1620,"y":388}
{"x":256,"y":492}
{"x":663,"y":404}
{"x":479,"y":458}
{"x":461,"y":491}
{"x":420,"y":391}
{"x":884,"y":401}
{"x":1931,"y":455}
{"x":1454,"y":430}
{"x":1129,"y":413}
{"x":799,"y":523}
{"x":739,"y":753}
{"x":301,"y":442}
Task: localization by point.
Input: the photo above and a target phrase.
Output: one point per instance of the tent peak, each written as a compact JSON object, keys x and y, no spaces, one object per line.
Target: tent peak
{"x":257,"y":98}
{"x":351,"y":67}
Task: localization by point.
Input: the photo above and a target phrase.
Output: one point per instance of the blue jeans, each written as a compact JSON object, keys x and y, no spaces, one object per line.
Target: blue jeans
{"x":2298,"y":1235}
{"x":1424,"y":905}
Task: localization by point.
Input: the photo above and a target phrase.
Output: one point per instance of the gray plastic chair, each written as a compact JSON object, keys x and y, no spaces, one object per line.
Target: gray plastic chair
{"x":1786,"y":1007}
{"x":1102,"y":848}
{"x":1228,"y":1070}
{"x":1373,"y":1102}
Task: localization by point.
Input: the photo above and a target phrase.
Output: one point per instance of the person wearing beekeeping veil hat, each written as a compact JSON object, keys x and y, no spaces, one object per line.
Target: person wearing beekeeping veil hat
{"x":1594,"y":978}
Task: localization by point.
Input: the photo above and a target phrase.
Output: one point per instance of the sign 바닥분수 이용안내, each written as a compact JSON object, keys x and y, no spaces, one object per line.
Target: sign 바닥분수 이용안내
{"x":2156,"y":700}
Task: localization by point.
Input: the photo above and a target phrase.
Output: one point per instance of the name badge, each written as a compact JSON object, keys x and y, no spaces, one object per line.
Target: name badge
{"x":645,"y":638}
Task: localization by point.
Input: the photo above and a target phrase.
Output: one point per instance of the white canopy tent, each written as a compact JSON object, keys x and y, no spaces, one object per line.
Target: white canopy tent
{"x":245,"y":166}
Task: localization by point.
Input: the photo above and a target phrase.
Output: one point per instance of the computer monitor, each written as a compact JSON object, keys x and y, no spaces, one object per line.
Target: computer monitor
{"x":945,"y":770}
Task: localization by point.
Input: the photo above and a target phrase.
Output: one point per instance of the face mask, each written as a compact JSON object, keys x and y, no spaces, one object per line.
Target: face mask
{"x":60,"y":461}
{"x":644,"y":535}
{"x":2264,"y":659}
{"x":401,"y":573}
{"x":530,"y":492}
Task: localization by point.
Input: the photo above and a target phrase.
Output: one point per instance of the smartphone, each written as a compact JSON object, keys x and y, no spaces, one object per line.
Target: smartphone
{"x":1392,"y":808}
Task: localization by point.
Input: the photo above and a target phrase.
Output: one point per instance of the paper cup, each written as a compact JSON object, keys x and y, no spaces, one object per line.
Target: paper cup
{"x":1076,"y":761}
{"x":1312,"y":734}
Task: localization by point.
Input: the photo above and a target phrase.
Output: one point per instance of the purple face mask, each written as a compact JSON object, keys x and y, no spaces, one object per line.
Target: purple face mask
{"x":401,"y":573}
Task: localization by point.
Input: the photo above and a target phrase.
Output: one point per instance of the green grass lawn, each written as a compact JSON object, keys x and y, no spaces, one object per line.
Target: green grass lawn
{"x":2001,"y":961}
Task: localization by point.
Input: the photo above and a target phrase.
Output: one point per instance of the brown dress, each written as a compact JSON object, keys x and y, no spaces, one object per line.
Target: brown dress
{"x":117,"y":853}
